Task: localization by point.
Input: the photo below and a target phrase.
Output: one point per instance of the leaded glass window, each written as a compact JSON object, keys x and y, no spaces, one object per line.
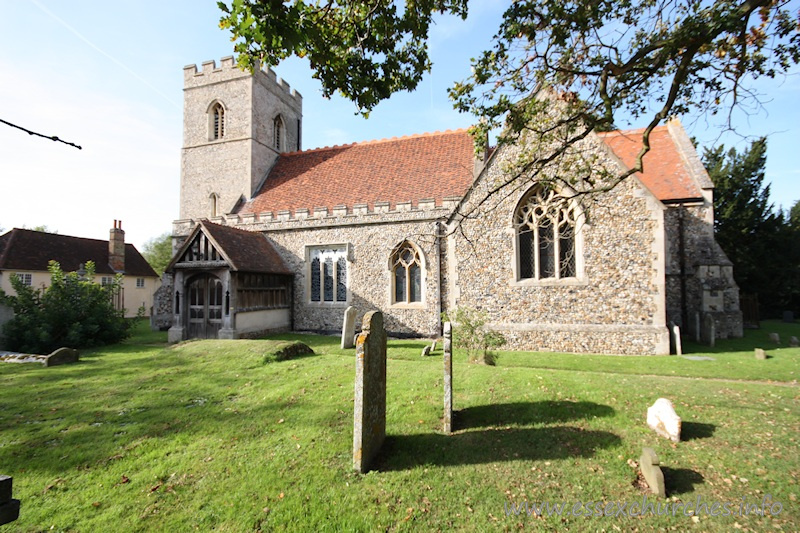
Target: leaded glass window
{"x":328,"y":273}
{"x":218,"y":121}
{"x":406,"y":267}
{"x":545,"y":226}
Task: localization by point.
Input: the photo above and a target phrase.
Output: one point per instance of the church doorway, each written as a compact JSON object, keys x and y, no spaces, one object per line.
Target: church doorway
{"x":205,"y":306}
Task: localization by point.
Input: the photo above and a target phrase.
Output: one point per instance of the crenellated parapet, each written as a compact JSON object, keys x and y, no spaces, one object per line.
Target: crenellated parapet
{"x":341,"y":215}
{"x":227,"y":70}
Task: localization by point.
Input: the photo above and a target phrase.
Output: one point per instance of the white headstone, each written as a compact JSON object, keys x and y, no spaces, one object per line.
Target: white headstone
{"x":662,"y":418}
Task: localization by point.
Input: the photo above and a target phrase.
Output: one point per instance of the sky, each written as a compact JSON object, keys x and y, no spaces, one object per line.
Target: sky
{"x":108,"y":76}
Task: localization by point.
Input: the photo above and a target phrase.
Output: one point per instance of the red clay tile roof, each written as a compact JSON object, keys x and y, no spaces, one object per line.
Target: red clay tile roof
{"x":427,"y":166}
{"x":665,"y":172}
{"x":24,"y":249}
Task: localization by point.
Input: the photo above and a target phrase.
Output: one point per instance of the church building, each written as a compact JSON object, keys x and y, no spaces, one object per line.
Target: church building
{"x":272,"y":237}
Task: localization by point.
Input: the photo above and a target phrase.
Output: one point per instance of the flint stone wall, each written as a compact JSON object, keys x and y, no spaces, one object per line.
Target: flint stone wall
{"x":615,"y":305}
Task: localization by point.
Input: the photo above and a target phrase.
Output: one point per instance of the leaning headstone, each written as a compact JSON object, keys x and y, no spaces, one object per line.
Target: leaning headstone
{"x":760,"y":354}
{"x":793,"y":342}
{"x":433,"y":346}
{"x":426,"y":351}
{"x":709,"y":330}
{"x":651,"y":470}
{"x":348,"y":327}
{"x":662,"y":418}
{"x":448,"y":378}
{"x":9,"y":507}
{"x":774,"y":337}
{"x":62,"y":356}
{"x":369,"y":425}
{"x":788,"y":316}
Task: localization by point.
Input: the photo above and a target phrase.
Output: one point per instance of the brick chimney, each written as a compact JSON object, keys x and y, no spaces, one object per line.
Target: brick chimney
{"x":116,"y":247}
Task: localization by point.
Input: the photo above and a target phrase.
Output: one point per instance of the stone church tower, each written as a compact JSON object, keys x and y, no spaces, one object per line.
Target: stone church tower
{"x":234,"y":126}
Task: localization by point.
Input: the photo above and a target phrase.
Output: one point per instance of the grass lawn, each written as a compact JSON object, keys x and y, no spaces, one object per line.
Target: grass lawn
{"x":207,"y":435}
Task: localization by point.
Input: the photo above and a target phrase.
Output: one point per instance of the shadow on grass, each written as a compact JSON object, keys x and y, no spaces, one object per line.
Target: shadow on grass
{"x":403,"y":452}
{"x":681,"y":480}
{"x":696,"y":430}
{"x":526,"y":413}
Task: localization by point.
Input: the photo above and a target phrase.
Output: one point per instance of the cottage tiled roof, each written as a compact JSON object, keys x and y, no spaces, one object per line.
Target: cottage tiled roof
{"x":24,"y":249}
{"x":666,"y":172}
{"x":245,"y":251}
{"x":427,"y":166}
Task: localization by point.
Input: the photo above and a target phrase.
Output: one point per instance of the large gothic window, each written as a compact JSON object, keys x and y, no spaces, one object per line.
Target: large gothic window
{"x":545,"y":225}
{"x":217,"y":121}
{"x":406,"y":266}
{"x":328,"y":274}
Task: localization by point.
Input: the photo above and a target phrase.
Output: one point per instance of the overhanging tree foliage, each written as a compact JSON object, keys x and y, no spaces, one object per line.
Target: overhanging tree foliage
{"x":604,"y":58}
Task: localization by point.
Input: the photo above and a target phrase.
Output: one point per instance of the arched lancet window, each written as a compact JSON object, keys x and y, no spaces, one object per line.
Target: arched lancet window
{"x":278,"y":133}
{"x":545,"y":225}
{"x":213,"y":200}
{"x":407,"y":266}
{"x":217,"y":121}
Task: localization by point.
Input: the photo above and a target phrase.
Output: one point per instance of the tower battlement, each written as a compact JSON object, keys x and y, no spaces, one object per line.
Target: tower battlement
{"x":228,"y":70}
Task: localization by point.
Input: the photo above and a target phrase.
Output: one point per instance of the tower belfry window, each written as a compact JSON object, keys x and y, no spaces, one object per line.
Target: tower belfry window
{"x":278,"y":133}
{"x":218,"y":121}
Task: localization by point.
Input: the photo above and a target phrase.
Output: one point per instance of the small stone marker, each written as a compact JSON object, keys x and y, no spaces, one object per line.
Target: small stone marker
{"x":62,"y":356}
{"x":774,"y":337}
{"x":369,"y":424}
{"x":448,"y":378}
{"x":426,"y":351}
{"x":433,"y":346}
{"x":662,"y":418}
{"x":651,"y":470}
{"x":760,"y":354}
{"x":348,"y":327}
{"x":9,"y":507}
{"x":709,"y":330}
{"x":675,"y":334}
{"x":793,"y":342}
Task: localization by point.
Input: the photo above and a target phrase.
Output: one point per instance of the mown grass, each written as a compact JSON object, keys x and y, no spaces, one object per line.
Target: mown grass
{"x":206,"y":435}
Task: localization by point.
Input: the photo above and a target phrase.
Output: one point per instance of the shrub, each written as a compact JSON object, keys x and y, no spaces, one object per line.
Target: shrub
{"x":471,"y":332}
{"x":73,"y":311}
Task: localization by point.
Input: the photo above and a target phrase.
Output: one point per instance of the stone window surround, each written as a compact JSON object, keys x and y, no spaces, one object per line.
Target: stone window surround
{"x":213,"y":108}
{"x":309,"y":248}
{"x":423,"y":269}
{"x":581,"y":225}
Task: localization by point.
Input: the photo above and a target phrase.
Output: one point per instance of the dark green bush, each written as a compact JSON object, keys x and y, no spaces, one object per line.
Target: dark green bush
{"x":73,"y":311}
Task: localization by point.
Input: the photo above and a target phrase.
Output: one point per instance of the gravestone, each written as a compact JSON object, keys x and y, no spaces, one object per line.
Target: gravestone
{"x":662,"y":418}
{"x":433,"y":346}
{"x":793,"y":342}
{"x":697,"y":330}
{"x":448,"y":378}
{"x":709,"y":330}
{"x":9,"y":507}
{"x":426,"y":351}
{"x":761,"y":354}
{"x":62,"y":356}
{"x":675,"y":337}
{"x":349,"y":327}
{"x":369,"y":424}
{"x":774,"y":337}
{"x":651,"y":470}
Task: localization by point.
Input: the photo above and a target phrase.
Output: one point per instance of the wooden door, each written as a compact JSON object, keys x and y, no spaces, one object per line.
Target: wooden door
{"x":205,"y":307}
